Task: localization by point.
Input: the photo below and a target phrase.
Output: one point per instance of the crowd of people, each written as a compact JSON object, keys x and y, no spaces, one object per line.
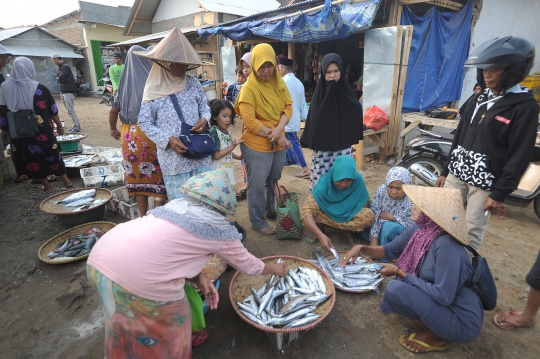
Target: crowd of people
{"x":419,"y":240}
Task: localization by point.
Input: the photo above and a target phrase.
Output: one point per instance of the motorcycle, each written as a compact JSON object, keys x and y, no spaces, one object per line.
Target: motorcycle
{"x":426,"y":155}
{"x":83,"y":88}
{"x":108,"y":93}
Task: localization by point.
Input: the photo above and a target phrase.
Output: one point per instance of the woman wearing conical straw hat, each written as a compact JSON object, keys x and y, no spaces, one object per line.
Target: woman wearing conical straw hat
{"x":432,"y":268}
{"x":158,"y":119}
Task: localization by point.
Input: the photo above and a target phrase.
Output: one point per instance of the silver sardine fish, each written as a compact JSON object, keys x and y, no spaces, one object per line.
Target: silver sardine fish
{"x":77,"y":196}
{"x":79,"y":202}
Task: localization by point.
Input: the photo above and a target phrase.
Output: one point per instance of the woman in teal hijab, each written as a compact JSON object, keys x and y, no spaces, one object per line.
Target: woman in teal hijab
{"x":339,"y":200}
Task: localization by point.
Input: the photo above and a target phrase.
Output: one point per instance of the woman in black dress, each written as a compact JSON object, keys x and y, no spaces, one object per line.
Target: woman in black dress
{"x":40,"y":153}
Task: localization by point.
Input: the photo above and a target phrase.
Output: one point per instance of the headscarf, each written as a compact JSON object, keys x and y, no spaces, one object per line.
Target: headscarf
{"x":341,"y":205}
{"x":410,"y":259}
{"x":398,"y":174}
{"x":246,"y":58}
{"x":19,"y":89}
{"x":132,"y":83}
{"x":334,"y":121}
{"x":269,"y":97}
{"x":161,"y":83}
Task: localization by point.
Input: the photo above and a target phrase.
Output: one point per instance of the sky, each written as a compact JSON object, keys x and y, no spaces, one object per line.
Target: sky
{"x":37,"y":12}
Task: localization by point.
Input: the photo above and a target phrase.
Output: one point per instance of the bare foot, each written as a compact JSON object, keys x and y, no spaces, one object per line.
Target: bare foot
{"x":426,"y":337}
{"x":510,"y":320}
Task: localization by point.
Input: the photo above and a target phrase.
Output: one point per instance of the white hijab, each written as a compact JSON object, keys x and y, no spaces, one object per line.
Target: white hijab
{"x":199,"y":212}
{"x":161,"y":83}
{"x":18,"y":91}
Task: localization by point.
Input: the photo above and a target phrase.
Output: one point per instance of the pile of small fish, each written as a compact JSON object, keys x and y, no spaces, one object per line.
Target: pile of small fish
{"x":358,"y":276}
{"x":76,"y":246}
{"x":288,"y":301}
{"x":73,"y":137}
{"x":80,"y":200}
{"x":78,"y":161}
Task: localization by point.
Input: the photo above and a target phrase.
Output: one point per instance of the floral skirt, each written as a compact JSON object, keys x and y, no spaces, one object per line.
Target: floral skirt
{"x":360,"y":222}
{"x":139,"y":328}
{"x":143,"y":174}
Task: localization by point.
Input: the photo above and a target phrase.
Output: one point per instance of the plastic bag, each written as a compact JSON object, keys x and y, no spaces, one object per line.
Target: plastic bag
{"x":375,"y":118}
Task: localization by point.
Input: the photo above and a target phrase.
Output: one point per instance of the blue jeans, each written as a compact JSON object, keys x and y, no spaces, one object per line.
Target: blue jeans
{"x":294,"y":156}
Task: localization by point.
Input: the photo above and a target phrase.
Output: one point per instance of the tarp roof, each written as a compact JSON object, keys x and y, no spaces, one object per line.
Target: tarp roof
{"x":22,"y":42}
{"x":238,"y":7}
{"x":287,"y":24}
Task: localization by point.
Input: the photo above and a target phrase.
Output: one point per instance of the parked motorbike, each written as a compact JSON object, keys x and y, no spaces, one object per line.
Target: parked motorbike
{"x":108,"y":92}
{"x":427,"y":154}
{"x":83,"y":88}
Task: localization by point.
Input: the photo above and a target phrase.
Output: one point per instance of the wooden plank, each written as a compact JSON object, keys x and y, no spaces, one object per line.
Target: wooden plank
{"x":359,"y":155}
{"x":290,"y":50}
{"x":372,"y":132}
{"x":377,"y":140}
{"x":430,"y":121}
{"x":409,"y":128}
{"x":393,"y":123}
{"x":393,"y":17}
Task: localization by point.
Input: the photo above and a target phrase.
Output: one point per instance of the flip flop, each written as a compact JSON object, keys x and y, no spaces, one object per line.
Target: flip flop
{"x":22,"y":178}
{"x":507,"y":320}
{"x":428,"y":347}
{"x":241,"y":194}
{"x":200,"y":337}
{"x":262,"y":230}
{"x":300,"y":175}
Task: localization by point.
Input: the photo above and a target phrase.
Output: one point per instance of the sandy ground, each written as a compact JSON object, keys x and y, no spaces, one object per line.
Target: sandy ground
{"x":50,"y":311}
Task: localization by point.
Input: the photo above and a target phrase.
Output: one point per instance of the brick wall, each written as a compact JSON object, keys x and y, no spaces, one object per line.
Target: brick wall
{"x":68,"y":28}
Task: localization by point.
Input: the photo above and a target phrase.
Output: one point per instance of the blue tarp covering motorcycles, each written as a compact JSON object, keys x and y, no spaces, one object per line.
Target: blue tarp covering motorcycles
{"x":439,"y":48}
{"x":330,"y":23}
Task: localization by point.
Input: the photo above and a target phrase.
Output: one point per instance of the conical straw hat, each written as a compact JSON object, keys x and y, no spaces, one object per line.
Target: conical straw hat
{"x":444,"y":206}
{"x":174,"y":48}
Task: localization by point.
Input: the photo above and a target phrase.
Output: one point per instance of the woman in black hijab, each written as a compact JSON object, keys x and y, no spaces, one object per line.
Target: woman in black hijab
{"x":334,"y":122}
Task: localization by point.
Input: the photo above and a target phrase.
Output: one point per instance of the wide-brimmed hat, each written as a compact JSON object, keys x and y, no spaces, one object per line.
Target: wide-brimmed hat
{"x":212,"y":188}
{"x":174,"y":48}
{"x":444,"y":206}
{"x":4,"y":51}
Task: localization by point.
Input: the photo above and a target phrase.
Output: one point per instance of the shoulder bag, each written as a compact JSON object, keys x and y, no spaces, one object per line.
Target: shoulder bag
{"x":22,"y":124}
{"x":200,"y":144}
{"x":288,"y":220}
{"x":482,"y":281}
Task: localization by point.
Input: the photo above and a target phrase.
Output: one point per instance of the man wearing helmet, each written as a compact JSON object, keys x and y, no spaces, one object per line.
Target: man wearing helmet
{"x":494,"y":141}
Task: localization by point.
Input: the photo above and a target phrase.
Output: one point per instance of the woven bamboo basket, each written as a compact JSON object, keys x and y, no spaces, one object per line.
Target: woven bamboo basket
{"x":342,"y":254}
{"x":51,"y":244}
{"x":280,"y":337}
{"x":214,"y":268}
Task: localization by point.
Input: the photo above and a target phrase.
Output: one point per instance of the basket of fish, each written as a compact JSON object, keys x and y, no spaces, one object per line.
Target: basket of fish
{"x":77,"y":206}
{"x":362,"y":276}
{"x":284,"y":307}
{"x":74,"y":244}
{"x":70,"y":143}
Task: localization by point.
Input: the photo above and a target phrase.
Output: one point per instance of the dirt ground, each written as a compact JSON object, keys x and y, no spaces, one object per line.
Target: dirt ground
{"x":50,"y":311}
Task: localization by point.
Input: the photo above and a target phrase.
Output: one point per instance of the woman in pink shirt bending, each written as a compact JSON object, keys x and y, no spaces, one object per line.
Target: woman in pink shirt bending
{"x":140,"y":267}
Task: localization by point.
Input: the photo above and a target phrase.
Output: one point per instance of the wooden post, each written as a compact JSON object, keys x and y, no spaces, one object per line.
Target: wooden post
{"x":359,"y":155}
{"x":290,"y":50}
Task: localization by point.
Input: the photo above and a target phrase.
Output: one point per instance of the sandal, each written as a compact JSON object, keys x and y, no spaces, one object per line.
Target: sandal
{"x":22,"y":178}
{"x":311,"y":238}
{"x":266,"y":230}
{"x":199,"y":337}
{"x":506,"y":320}
{"x":241,"y":194}
{"x":300,"y":175}
{"x":428,"y":347}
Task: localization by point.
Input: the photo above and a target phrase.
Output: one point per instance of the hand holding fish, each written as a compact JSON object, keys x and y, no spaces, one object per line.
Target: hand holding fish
{"x":491,"y":204}
{"x":275,"y":268}
{"x":210,"y":292}
{"x":353,"y":253}
{"x":390,"y":270}
{"x":326,"y":243}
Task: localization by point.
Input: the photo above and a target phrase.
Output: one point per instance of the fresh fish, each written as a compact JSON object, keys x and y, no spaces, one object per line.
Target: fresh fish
{"x":255,"y":295}
{"x":336,"y":254}
{"x":303,"y":321}
{"x":252,"y":317}
{"x":78,"y":202}
{"x":264,"y":301}
{"x":77,"y":196}
{"x":293,"y":302}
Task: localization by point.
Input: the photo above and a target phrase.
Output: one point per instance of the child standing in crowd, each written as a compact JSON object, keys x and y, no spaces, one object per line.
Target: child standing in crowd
{"x":222,"y":117}
{"x":234,"y":89}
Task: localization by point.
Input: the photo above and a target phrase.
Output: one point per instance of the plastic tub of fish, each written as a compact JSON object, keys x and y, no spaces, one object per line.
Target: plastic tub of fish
{"x":77,"y":206}
{"x":54,"y":245}
{"x":125,"y":205}
{"x":103,"y":176}
{"x":70,"y":143}
{"x":360,"y":277}
{"x":282,"y":332}
{"x":113,"y":157}
{"x":86,"y":150}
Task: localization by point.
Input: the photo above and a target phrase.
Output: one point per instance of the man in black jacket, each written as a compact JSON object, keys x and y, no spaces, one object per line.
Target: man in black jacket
{"x":494,"y":141}
{"x":67,"y":89}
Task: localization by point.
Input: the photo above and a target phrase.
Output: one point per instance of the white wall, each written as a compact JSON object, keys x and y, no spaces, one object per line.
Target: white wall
{"x":171,"y":9}
{"x":500,"y":18}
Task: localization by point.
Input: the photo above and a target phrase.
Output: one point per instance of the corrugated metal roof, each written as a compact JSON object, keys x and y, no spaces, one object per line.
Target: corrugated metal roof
{"x":239,"y":7}
{"x":9,"y":33}
{"x":97,"y":22}
{"x":103,"y":14}
{"x":149,"y":38}
{"x":21,"y":50}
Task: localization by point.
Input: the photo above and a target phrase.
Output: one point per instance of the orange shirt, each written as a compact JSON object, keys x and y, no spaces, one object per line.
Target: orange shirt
{"x":253,"y":124}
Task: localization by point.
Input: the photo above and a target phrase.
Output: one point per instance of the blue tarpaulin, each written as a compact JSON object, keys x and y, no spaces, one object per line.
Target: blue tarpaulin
{"x":330,"y":23}
{"x":439,"y":48}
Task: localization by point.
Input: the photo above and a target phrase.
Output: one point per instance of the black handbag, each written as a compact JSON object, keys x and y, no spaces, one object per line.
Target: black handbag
{"x":482,"y":281}
{"x":200,"y":144}
{"x":22,"y":124}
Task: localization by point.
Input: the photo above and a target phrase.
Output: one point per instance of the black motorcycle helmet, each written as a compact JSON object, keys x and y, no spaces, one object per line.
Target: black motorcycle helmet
{"x":516,"y":54}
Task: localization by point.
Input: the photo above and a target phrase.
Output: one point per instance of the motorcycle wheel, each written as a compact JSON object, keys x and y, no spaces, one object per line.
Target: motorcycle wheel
{"x":537,"y":207}
{"x":429,"y":162}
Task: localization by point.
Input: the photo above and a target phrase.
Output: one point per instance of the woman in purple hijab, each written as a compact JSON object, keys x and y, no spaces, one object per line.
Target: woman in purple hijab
{"x":432,"y":269}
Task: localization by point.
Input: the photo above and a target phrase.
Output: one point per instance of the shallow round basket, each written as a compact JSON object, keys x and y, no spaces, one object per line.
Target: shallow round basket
{"x":239,"y":290}
{"x":214,"y":268}
{"x":51,"y":244}
{"x":343,"y":289}
{"x":71,"y":219}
